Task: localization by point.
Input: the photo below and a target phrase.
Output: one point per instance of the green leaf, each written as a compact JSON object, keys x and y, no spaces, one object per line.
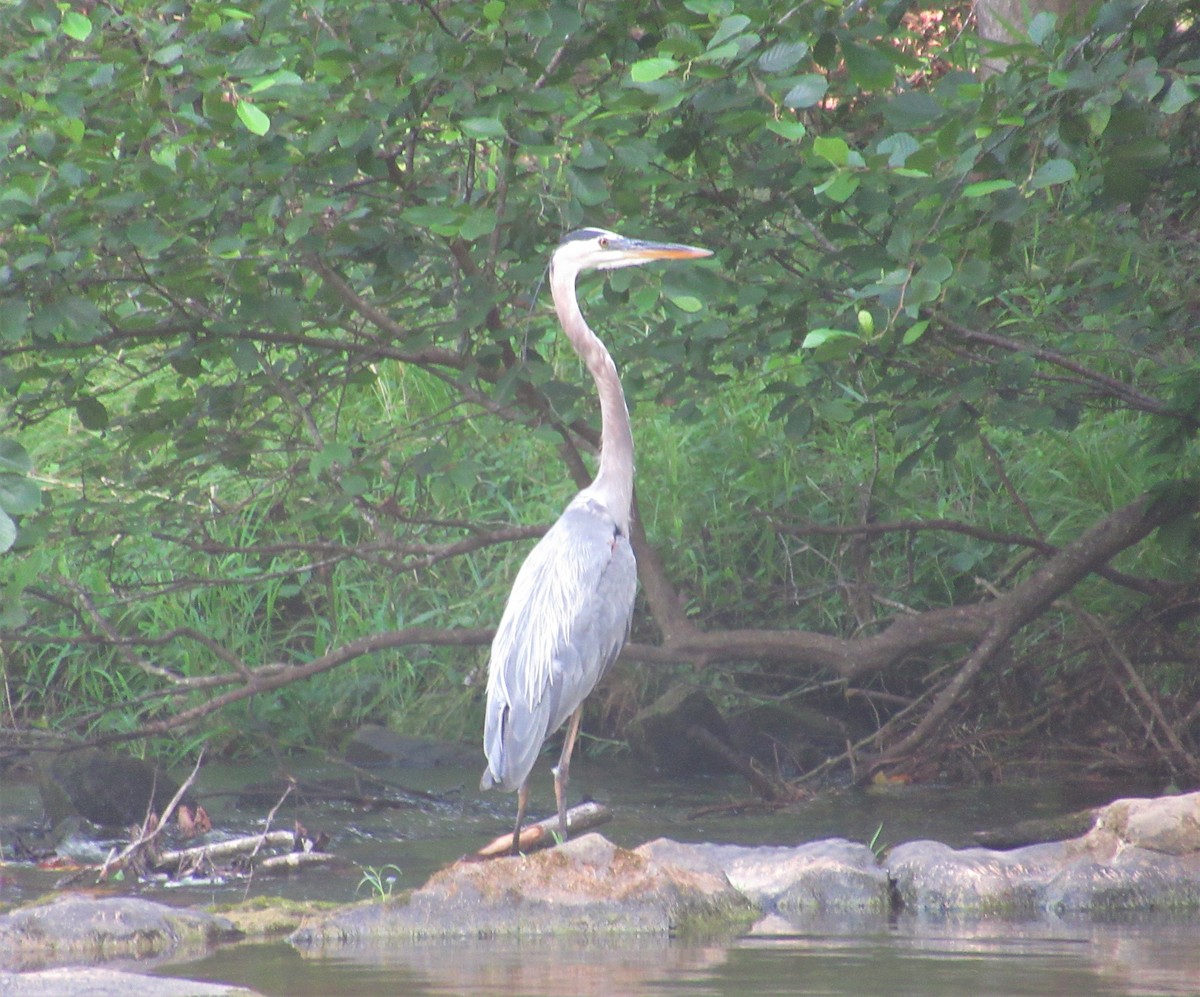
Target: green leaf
{"x":92,"y":413}
{"x":791,"y":130}
{"x":8,"y":532}
{"x":254,"y":118}
{"x":1054,"y":171}
{"x":868,"y":67}
{"x":589,"y":186}
{"x":898,"y":148}
{"x":167,"y":54}
{"x":14,"y":318}
{"x":938,"y":269}
{"x":1041,"y":27}
{"x":649,"y":70}
{"x":439,"y":218}
{"x":819,"y":337}
{"x":76,"y":25}
{"x":807,"y":91}
{"x":840,"y":187}
{"x":488,"y":128}
{"x":782,"y":57}
{"x":914,"y":332}
{"x":14,"y":458}
{"x":19,"y":495}
{"x":833,"y":150}
{"x":985,"y":187}
{"x":729,"y":27}
{"x":282,"y":77}
{"x":685,"y":302}
{"x":478,"y":224}
{"x":1178,"y":97}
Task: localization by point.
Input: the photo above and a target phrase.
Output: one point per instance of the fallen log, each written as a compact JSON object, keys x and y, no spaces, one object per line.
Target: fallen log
{"x":291,"y":861}
{"x":225,"y":849}
{"x":544,"y":834}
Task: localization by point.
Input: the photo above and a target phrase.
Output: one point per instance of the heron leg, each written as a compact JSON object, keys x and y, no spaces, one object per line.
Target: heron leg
{"x":562,"y":771}
{"x":522,"y":799}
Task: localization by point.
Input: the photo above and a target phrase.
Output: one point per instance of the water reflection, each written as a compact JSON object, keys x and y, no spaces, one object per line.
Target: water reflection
{"x":783,"y":957}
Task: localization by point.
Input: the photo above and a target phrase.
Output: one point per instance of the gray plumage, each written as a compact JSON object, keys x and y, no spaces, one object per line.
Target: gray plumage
{"x":573,"y":598}
{"x":568,"y":614}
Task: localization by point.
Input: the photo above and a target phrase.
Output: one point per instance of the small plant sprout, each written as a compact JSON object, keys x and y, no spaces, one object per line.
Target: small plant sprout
{"x":381,"y":880}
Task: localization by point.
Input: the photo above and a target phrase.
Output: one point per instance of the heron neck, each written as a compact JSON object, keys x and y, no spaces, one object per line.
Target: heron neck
{"x":613,"y":483}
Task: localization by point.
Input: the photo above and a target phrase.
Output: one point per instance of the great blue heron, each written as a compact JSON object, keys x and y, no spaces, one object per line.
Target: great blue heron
{"x":568,"y":614}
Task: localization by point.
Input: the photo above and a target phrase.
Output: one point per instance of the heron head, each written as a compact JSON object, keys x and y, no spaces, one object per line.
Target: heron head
{"x":598,"y":249}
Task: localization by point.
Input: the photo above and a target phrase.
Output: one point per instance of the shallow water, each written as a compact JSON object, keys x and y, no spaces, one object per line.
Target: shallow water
{"x":905,"y":955}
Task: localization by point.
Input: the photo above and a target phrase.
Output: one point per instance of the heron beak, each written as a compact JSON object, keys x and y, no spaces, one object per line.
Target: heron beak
{"x":638,"y":249}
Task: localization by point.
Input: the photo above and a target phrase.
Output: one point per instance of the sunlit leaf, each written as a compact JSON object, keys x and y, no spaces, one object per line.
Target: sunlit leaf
{"x":793,"y":130}
{"x":984,"y":187}
{"x":482,"y":127}
{"x":253,"y":117}
{"x":649,"y":70}
{"x":76,"y":25}
{"x":832,"y":149}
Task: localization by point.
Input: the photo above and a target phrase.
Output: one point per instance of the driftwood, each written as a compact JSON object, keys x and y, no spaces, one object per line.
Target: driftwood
{"x":192,"y":857}
{"x":292,"y":861}
{"x":544,"y":833}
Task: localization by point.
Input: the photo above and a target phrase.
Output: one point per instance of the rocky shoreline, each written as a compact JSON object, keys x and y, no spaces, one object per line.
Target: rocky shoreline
{"x":1140,"y":858}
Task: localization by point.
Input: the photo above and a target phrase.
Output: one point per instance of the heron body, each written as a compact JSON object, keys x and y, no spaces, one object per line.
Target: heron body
{"x":568,"y":614}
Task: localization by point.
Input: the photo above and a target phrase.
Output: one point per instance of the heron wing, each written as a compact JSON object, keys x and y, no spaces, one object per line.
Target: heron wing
{"x":565,"y":622}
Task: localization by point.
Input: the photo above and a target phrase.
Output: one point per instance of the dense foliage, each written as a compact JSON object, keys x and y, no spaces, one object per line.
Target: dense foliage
{"x":278,"y":379}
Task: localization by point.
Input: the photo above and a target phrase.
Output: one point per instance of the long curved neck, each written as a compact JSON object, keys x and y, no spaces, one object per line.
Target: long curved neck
{"x":613,"y":483}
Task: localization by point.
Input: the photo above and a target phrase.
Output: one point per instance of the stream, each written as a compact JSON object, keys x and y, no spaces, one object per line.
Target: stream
{"x":871,"y":955}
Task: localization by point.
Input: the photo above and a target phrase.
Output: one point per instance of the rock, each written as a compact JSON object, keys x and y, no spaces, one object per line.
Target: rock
{"x":109,"y":983}
{"x":659,"y":734}
{"x":111,"y":790}
{"x":587,"y":886}
{"x":1166,"y":824}
{"x":931,"y":877}
{"x":789,"y":738}
{"x":1141,"y":855}
{"x":372,"y":745}
{"x":821,"y":877}
{"x":75,"y":929}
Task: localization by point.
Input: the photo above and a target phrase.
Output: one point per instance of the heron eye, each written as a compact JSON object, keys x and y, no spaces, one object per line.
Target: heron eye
{"x":604,"y":242}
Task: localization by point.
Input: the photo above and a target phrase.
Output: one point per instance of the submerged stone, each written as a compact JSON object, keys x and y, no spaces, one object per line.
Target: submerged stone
{"x":75,"y":929}
{"x":110,"y":983}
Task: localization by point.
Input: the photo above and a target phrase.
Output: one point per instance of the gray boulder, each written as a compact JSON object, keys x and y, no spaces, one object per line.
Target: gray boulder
{"x":831,"y":876}
{"x":76,"y":929}
{"x":1142,"y":855}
